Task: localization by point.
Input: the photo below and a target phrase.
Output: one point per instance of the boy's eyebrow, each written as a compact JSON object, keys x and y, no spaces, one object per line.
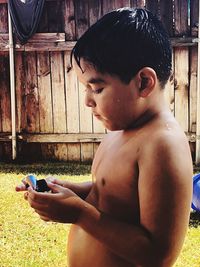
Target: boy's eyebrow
{"x":96,"y":80}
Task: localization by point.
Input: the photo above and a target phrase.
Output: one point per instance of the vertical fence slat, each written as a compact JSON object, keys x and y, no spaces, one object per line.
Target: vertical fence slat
{"x":58,"y":92}
{"x":166,"y":15}
{"x":44,"y":88}
{"x":197,"y":156}
{"x":137,"y":3}
{"x":81,"y":17}
{"x":72,"y":101}
{"x":31,"y":93}
{"x":181,"y":88}
{"x":153,"y":6}
{"x":69,"y":20}
{"x":181,"y":17}
{"x":5,"y":93}
{"x":72,"y":107}
{"x":20,"y":92}
{"x":95,"y":11}
{"x":5,"y":104}
{"x":3,"y":18}
{"x":194,"y":13}
{"x":181,"y":65}
{"x":82,"y":24}
{"x":193,"y":66}
{"x":193,"y":89}
{"x":169,"y":89}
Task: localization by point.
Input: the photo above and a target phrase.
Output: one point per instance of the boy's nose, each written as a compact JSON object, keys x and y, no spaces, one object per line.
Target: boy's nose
{"x":89,"y":100}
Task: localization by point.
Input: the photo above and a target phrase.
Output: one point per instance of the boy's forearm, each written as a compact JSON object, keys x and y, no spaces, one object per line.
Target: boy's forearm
{"x":81,"y":189}
{"x":131,"y":242}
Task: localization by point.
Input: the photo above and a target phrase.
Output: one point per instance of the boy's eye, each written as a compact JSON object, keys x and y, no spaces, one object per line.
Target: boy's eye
{"x":97,"y":91}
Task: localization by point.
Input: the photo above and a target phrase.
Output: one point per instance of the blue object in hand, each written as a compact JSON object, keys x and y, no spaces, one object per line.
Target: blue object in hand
{"x":38,"y":185}
{"x":31,"y":180}
{"x":196,"y":193}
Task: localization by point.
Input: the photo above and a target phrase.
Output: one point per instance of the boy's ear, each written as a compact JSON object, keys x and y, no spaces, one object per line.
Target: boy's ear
{"x":146,"y":81}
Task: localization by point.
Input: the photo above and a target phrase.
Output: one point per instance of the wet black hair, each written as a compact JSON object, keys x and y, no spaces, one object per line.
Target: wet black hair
{"x":124,"y":41}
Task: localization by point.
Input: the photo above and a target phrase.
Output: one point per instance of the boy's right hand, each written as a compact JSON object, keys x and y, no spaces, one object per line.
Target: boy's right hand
{"x":51,"y":179}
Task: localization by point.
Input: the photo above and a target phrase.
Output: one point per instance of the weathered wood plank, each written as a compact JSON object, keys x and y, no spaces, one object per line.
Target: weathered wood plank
{"x":121,"y":4}
{"x":31,"y":97}
{"x":3,"y":18}
{"x":58,"y":92}
{"x":44,"y":89}
{"x":108,"y":6}
{"x":85,"y":113}
{"x":181,"y":18}
{"x":5,"y":105}
{"x":81,"y":17}
{"x":153,"y":6}
{"x":61,"y":138}
{"x":74,"y":152}
{"x":20,"y":92}
{"x":194,"y":23}
{"x":169,"y":90}
{"x":61,"y":152}
{"x":95,"y":11}
{"x":167,"y":17}
{"x":72,"y":97}
{"x":40,"y":43}
{"x":87,"y":152}
{"x":137,"y":3}
{"x":181,"y":87}
{"x":193,"y":89}
{"x":69,"y":20}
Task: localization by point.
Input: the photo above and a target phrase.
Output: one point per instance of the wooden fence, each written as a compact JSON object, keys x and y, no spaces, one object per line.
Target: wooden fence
{"x":51,"y":119}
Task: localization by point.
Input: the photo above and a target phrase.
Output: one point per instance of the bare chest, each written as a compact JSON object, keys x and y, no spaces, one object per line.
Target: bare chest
{"x":115,"y":176}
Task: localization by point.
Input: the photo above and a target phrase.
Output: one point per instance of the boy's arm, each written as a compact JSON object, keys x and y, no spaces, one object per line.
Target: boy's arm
{"x":80,"y":189}
{"x":165,"y":189}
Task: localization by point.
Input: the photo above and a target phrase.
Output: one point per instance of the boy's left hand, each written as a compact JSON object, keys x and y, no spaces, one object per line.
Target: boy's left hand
{"x":63,"y":205}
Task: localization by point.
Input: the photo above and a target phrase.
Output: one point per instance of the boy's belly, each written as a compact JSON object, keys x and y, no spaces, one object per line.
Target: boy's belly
{"x":83,"y":250}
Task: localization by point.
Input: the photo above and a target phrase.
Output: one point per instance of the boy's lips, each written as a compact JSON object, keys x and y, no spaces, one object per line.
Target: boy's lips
{"x":96,"y":115}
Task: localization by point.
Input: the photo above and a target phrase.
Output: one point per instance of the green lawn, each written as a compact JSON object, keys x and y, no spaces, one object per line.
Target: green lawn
{"x":25,"y":240}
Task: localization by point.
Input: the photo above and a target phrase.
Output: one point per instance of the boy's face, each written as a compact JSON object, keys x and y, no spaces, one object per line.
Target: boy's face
{"x":115,"y":104}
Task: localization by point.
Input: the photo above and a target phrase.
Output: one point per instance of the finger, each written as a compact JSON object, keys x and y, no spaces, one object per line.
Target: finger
{"x":56,"y":188}
{"x":44,"y":218}
{"x":20,"y":187}
{"x":37,"y":206}
{"x":26,"y":195}
{"x":51,"y":179}
{"x":39,"y":197}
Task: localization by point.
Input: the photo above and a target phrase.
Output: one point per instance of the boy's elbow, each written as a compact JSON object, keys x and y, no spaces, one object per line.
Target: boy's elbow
{"x":157,"y":257}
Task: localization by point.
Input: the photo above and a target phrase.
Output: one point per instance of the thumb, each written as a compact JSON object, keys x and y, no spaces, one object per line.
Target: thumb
{"x":55,"y":187}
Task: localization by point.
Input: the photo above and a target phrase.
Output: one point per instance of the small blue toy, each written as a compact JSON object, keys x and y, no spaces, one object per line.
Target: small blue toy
{"x":37,"y":185}
{"x":196,"y":193}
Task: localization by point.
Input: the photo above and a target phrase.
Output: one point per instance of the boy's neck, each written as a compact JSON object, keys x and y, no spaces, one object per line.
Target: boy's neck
{"x":151,"y":113}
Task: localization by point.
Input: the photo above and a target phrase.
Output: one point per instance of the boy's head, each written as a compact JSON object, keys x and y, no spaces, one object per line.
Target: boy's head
{"x":123,"y":42}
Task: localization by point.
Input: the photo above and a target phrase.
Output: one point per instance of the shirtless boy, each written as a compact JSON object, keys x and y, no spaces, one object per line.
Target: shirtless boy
{"x":135,"y":211}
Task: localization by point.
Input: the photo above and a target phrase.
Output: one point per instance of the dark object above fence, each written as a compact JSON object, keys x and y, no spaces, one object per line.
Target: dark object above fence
{"x":25,"y":15}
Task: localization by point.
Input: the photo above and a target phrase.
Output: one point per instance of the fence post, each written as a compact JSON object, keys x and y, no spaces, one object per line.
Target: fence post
{"x":12,"y":88}
{"x":197,"y":159}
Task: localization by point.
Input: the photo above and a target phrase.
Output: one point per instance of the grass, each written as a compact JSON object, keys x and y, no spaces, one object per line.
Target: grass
{"x":26,"y":241}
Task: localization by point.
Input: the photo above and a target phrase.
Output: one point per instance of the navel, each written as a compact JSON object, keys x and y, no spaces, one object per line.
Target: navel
{"x":103,"y":182}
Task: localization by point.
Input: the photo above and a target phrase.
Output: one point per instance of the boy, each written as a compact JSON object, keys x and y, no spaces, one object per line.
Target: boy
{"x":135,"y":212}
